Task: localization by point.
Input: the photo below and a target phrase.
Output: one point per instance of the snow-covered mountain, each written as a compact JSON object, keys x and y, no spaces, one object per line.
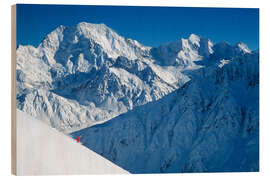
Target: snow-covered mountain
{"x":87,"y":74}
{"x":210,"y":124}
{"x":183,"y":52}
{"x":185,"y":106}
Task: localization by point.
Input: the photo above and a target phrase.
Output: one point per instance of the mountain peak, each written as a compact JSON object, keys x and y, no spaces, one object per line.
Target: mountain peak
{"x":194,"y":38}
{"x":91,"y":26}
{"x":88,"y":38}
{"x":243,"y":47}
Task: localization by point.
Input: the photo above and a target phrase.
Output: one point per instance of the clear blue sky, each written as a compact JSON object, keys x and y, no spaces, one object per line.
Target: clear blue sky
{"x":151,"y":26}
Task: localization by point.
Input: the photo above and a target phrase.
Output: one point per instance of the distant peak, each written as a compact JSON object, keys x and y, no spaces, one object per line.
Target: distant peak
{"x":194,"y":37}
{"x":243,"y":47}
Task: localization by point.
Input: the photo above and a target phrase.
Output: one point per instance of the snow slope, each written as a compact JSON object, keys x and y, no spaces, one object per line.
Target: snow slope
{"x":210,"y":124}
{"x":42,"y":150}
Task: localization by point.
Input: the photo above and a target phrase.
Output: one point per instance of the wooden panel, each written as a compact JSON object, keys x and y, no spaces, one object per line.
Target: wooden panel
{"x":13,"y":92}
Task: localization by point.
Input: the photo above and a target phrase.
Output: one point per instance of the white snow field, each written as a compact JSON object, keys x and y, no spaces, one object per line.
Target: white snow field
{"x":42,"y":150}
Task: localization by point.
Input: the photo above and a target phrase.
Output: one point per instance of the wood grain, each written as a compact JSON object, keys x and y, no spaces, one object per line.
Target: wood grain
{"x":13,"y":93}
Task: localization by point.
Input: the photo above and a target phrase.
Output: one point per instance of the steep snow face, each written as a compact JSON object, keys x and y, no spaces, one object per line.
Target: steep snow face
{"x":210,"y":124}
{"x":183,"y":52}
{"x":42,"y":150}
{"x":131,"y":82}
{"x":86,"y":74}
{"x":31,"y":70}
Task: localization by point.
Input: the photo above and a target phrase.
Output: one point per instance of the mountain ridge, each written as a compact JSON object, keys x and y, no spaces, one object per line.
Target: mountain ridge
{"x":210,"y":124}
{"x":86,"y":74}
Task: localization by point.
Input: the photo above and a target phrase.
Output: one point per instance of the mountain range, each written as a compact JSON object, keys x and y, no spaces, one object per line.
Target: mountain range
{"x":186,"y":106}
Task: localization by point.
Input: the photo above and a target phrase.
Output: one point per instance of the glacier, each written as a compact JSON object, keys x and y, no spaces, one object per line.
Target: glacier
{"x":186,"y":106}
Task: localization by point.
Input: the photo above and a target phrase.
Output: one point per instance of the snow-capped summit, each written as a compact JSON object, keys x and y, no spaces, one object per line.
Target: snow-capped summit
{"x":67,"y":43}
{"x":184,"y":52}
{"x":194,"y":39}
{"x":112,"y":43}
{"x":242,"y":47}
{"x":203,"y":44}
